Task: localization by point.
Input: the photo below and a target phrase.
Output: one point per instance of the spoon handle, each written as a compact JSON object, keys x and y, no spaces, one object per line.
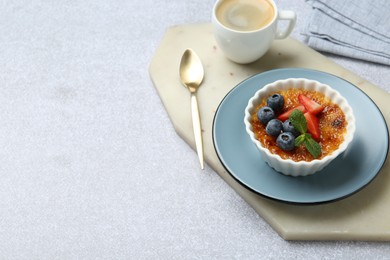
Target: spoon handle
{"x":197,"y":128}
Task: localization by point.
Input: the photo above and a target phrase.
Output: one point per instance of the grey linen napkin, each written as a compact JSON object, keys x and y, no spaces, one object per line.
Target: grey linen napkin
{"x":358,"y":29}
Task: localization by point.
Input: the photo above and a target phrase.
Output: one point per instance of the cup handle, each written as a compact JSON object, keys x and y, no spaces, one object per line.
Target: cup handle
{"x":289,"y":16}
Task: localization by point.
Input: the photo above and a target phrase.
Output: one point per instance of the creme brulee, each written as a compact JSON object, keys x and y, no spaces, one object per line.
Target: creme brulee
{"x":332,"y":124}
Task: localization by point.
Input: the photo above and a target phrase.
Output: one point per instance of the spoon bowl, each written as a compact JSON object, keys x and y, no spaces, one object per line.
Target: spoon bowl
{"x":191,"y":70}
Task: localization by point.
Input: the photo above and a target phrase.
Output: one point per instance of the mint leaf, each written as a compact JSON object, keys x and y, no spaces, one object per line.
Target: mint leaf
{"x":312,"y":146}
{"x":298,"y":120}
{"x":299,"y":140}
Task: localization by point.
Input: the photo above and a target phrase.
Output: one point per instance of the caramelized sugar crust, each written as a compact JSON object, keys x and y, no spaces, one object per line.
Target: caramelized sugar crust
{"x":331,"y":120}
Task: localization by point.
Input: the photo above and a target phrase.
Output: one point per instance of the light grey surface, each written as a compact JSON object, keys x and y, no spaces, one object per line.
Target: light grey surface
{"x":91,"y":167}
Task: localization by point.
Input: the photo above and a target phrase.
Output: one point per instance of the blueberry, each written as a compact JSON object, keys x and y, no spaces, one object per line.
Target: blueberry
{"x":265,"y":114}
{"x":276,"y":102}
{"x":286,"y":141}
{"x":288,"y":127}
{"x":274,"y":127}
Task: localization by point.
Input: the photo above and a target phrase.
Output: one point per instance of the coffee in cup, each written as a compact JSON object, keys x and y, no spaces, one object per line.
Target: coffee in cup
{"x":245,"y":29}
{"x":245,"y":15}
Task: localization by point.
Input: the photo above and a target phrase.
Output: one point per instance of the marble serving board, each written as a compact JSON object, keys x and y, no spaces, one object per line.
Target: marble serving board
{"x":362,"y":216}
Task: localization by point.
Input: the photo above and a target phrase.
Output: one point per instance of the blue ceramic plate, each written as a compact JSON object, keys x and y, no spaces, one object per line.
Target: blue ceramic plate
{"x":346,"y":175}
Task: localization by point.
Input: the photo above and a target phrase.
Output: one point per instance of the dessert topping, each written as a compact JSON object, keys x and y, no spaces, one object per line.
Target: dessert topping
{"x":300,"y":123}
{"x":310,"y":105}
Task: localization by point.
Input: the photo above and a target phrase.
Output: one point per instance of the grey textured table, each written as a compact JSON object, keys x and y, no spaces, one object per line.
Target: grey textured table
{"x":91,"y":167}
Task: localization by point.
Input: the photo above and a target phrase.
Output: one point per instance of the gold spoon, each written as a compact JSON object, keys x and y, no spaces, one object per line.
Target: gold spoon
{"x":191,"y":74}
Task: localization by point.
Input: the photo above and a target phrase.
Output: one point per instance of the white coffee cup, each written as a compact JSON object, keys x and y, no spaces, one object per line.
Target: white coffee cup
{"x":245,"y":29}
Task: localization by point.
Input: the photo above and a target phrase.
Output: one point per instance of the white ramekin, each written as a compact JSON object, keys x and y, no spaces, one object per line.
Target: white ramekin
{"x":288,"y":166}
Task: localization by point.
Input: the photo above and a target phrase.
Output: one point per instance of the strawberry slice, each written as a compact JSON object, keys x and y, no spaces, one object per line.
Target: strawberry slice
{"x":313,"y":126}
{"x":310,"y":105}
{"x":283,"y":117}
